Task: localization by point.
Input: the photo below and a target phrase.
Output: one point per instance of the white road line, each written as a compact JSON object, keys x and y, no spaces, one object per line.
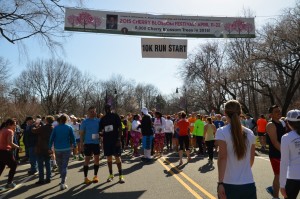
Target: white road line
{"x":18,"y":186}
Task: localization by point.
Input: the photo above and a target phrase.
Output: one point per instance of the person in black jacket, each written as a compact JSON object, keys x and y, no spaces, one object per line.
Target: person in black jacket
{"x":147,"y":133}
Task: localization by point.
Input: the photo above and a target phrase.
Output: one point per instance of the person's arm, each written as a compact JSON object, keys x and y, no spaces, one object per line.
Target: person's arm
{"x":252,"y":155}
{"x":283,"y":164}
{"x":222,"y":161}
{"x":51,"y":141}
{"x":10,"y":141}
{"x":271,"y":130}
{"x":205,"y":130}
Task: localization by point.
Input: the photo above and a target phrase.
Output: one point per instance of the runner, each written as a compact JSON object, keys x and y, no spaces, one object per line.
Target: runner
{"x":159,"y":127}
{"x":6,"y":154}
{"x":111,"y":130}
{"x":290,"y":157}
{"x":147,"y":132}
{"x":261,"y":131}
{"x":63,"y":139}
{"x":169,"y":130}
{"x":183,"y":138}
{"x":192,"y":139}
{"x":136,"y":134}
{"x":275,"y":131}
{"x":198,"y":131}
{"x":209,"y":136}
{"x":90,"y":144}
{"x":236,"y":156}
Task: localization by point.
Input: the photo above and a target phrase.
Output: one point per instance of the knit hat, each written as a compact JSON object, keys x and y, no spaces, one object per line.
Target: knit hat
{"x":293,"y":115}
{"x":144,"y":110}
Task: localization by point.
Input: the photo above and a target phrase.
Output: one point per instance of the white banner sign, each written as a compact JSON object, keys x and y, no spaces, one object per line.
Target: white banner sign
{"x":164,"y":48}
{"x":158,"y":25}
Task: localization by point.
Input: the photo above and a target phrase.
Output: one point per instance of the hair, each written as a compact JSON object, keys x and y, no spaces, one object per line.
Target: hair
{"x":28,"y":118}
{"x":233,"y":110}
{"x":168,"y":117}
{"x":209,"y":120}
{"x":63,"y":119}
{"x":262,"y":116}
{"x":91,"y":108}
{"x":272,"y":108}
{"x":295,"y":126}
{"x":135,"y":117}
{"x":49,"y":119}
{"x":7,"y":123}
{"x":183,"y":114}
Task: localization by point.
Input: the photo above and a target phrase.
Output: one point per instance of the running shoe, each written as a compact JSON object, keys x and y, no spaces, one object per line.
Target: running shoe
{"x":87,"y":181}
{"x":270,"y":190}
{"x":10,"y":185}
{"x":121,"y":179}
{"x":95,"y":179}
{"x":63,"y":186}
{"x":110,"y":178}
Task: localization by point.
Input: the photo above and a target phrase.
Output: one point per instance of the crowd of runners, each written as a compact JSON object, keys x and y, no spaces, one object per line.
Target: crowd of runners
{"x":51,"y":141}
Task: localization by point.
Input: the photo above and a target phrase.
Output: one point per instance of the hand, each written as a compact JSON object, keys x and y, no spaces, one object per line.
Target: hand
{"x":221,"y":191}
{"x":283,"y":192}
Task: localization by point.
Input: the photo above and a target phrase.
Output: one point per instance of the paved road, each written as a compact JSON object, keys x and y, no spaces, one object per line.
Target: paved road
{"x":162,"y":178}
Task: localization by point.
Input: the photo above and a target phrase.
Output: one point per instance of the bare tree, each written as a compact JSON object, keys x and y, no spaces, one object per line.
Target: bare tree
{"x":42,"y":19}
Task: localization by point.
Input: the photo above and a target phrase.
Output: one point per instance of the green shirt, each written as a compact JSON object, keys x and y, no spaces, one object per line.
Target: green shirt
{"x":198,"y":128}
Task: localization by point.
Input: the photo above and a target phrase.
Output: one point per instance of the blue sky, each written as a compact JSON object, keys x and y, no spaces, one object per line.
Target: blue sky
{"x":104,"y":55}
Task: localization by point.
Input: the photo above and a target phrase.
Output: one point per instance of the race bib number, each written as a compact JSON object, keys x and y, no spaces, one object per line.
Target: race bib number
{"x":108,"y":128}
{"x":95,"y":136}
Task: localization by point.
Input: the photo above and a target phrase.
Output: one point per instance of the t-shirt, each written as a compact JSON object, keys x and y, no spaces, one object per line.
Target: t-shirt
{"x":218,"y":123}
{"x":159,"y":125}
{"x":4,"y":134}
{"x":169,"y":128}
{"x":198,"y":128}
{"x":76,"y":129}
{"x":90,"y":126}
{"x":290,"y":157}
{"x":261,"y":125}
{"x":238,"y":172}
{"x":192,"y":121}
{"x":183,"y":126}
{"x":110,"y":125}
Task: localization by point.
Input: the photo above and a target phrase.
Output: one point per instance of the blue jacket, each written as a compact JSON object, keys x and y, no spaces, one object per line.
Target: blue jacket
{"x":62,"y":137}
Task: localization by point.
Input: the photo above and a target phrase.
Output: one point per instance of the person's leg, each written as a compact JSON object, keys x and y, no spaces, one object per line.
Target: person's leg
{"x":48,"y":168}
{"x":58,"y":157}
{"x":3,"y":161}
{"x":119,"y":165}
{"x":181,"y":141}
{"x":32,"y":159}
{"x":12,"y":164}
{"x":275,"y":162}
{"x":187,"y":147}
{"x":96,"y":151}
{"x":64,"y":165}
{"x":40,"y":161}
{"x":292,"y":188}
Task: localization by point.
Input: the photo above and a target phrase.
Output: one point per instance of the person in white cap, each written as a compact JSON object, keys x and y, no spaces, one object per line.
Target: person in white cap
{"x":147,"y":133}
{"x":290,"y":157}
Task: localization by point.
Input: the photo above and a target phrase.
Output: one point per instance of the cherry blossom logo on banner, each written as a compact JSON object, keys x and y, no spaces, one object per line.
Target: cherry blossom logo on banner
{"x":84,"y":19}
{"x":239,"y":26}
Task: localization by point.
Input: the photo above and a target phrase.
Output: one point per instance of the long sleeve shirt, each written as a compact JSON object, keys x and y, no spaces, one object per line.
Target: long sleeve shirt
{"x":62,"y":137}
{"x":290,"y":157}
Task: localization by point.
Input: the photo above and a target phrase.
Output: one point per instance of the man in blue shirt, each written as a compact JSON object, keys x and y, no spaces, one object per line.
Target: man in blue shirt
{"x":89,"y":142}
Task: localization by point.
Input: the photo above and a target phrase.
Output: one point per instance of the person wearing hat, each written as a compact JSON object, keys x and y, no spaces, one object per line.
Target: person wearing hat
{"x":147,"y":133}
{"x":111,"y":130}
{"x":290,"y":157}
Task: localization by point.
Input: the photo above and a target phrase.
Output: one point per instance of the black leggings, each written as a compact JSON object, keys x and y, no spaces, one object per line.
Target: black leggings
{"x":210,"y":148}
{"x":184,"y":140}
{"x":169,"y":140}
{"x":199,"y":140}
{"x":7,"y":158}
{"x":292,"y":188}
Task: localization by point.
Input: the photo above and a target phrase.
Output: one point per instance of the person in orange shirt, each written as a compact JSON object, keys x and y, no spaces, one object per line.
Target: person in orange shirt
{"x":183,"y":137}
{"x":261,"y":131}
{"x":192,"y":121}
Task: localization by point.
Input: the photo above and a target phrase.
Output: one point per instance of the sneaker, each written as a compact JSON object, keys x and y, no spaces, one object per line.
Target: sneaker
{"x":63,"y":186}
{"x":47,"y":181}
{"x":110,"y":178}
{"x":270,"y":190}
{"x":10,"y":185}
{"x":40,"y":182}
{"x":80,"y":158}
{"x":87,"y":181}
{"x":95,"y":179}
{"x":121,"y":179}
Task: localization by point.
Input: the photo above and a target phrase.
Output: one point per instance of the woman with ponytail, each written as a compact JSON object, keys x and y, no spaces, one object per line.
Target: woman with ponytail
{"x":236,"y":156}
{"x":290,"y":157}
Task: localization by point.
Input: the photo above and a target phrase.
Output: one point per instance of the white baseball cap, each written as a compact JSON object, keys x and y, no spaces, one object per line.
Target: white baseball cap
{"x":293,"y":115}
